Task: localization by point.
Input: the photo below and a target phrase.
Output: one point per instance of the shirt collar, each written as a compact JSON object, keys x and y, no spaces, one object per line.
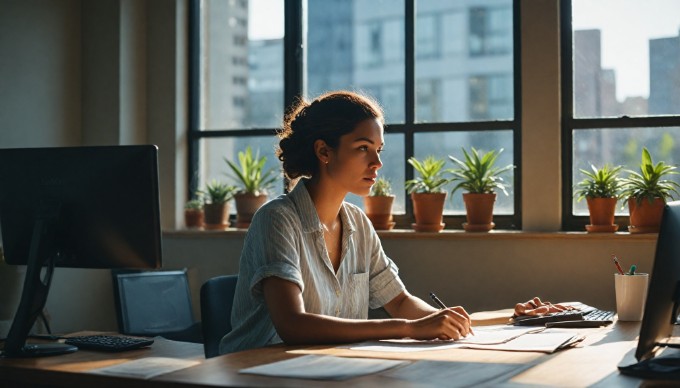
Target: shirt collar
{"x":308,"y":215}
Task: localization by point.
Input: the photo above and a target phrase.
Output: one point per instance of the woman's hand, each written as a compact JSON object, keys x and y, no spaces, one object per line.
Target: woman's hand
{"x":446,"y":324}
{"x":537,"y":307}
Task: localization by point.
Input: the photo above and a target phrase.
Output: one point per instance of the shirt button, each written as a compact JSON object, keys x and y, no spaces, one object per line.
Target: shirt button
{"x":337,"y":312}
{"x":337,"y":292}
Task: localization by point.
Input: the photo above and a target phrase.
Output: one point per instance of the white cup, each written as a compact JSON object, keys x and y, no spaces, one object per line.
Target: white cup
{"x":631,"y":294}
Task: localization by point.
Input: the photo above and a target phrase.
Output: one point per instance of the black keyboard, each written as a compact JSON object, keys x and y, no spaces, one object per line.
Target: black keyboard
{"x":586,"y":316}
{"x":109,"y":343}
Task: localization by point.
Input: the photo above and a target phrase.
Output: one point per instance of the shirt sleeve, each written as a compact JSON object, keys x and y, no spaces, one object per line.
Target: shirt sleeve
{"x":384,"y":283}
{"x":273,"y":244}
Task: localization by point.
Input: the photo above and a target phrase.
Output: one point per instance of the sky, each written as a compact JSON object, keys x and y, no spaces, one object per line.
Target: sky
{"x":626,"y":27}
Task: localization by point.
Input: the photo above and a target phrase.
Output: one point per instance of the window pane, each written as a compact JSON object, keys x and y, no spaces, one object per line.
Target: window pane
{"x":358,"y":46}
{"x":392,"y":158}
{"x":241,"y":64}
{"x":622,"y":146}
{"x":464,"y":61}
{"x":626,"y":57}
{"x":441,"y":145}
{"x":214,"y":150}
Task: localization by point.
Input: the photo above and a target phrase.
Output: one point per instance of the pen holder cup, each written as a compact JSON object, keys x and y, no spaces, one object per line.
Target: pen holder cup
{"x":631,"y":294}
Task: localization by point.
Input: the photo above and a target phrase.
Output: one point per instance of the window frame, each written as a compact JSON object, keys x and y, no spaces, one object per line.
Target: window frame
{"x":294,"y":70}
{"x":571,"y":124}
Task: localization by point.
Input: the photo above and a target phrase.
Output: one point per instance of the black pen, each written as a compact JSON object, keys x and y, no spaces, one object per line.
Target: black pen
{"x":437,"y":301}
{"x":442,"y":306}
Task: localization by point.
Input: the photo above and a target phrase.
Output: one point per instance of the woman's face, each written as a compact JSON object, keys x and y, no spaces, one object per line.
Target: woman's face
{"x":354,"y":164}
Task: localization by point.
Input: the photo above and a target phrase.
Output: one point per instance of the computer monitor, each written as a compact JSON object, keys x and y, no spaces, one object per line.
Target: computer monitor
{"x":663,"y":296}
{"x":78,"y":207}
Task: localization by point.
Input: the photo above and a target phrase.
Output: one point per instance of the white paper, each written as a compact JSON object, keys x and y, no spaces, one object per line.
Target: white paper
{"x":146,"y":368}
{"x":484,"y":335}
{"x":546,"y":341}
{"x":323,"y":367}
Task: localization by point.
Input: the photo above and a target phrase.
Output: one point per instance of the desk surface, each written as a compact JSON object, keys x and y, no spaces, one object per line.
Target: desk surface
{"x":594,"y":362}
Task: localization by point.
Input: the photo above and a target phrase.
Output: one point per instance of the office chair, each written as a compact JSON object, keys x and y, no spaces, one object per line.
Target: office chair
{"x":155,"y":303}
{"x":217,"y":298}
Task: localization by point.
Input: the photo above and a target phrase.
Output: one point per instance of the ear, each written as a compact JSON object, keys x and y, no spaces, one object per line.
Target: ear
{"x":322,"y":151}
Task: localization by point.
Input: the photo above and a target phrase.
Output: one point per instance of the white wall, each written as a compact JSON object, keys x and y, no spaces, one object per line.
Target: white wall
{"x":48,"y":68}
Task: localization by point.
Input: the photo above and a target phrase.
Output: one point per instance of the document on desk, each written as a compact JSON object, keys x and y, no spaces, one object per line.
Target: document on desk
{"x":457,"y":374}
{"x":146,"y":368}
{"x":500,"y":337}
{"x":323,"y":367}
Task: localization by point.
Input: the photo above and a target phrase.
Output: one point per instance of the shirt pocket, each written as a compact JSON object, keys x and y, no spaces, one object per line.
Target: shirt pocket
{"x":359,"y":292}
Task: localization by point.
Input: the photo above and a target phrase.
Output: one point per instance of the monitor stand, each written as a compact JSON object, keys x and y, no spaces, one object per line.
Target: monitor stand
{"x":34,"y":294}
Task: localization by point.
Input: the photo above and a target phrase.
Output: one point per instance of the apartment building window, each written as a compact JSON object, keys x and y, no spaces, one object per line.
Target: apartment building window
{"x":418,"y":71}
{"x":621,"y":90}
{"x":488,"y":26}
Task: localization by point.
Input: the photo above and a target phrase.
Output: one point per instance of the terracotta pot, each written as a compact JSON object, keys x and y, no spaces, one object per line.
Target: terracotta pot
{"x":379,"y":211}
{"x":246,"y":206}
{"x":479,"y":211}
{"x":601,"y":212}
{"x":428,"y":209}
{"x":193,"y":218}
{"x":645,"y":217}
{"x":216,"y":216}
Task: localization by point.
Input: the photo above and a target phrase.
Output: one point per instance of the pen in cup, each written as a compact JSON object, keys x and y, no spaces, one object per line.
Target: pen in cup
{"x":632,"y":269}
{"x":618,"y":266}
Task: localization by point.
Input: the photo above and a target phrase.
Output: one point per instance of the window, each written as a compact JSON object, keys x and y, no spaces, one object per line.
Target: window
{"x":621,"y":89}
{"x":437,"y":93}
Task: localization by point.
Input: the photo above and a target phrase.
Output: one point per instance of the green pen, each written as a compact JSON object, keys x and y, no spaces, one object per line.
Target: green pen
{"x":632,"y":270}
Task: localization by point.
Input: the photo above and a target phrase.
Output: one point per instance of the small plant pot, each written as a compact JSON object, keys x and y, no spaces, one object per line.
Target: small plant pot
{"x":216,"y":216}
{"x":428,"y":209}
{"x":601,"y":212}
{"x":479,"y":211}
{"x":246,"y":206}
{"x":645,"y":217}
{"x":193,"y":218}
{"x":379,"y":211}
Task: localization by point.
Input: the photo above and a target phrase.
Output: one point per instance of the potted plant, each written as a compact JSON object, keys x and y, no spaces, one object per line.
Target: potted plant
{"x":255,"y":182}
{"x":647,"y":192}
{"x":378,"y":205}
{"x":478,"y":175}
{"x":193,"y":214}
{"x":216,"y":207}
{"x":428,"y":194}
{"x":600,"y":188}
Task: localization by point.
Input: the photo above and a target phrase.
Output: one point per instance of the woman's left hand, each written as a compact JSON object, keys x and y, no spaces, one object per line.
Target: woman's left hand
{"x":537,"y":307}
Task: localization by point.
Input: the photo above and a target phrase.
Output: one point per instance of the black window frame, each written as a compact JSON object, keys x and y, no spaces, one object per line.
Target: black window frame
{"x":572,"y":222}
{"x":293,"y":87}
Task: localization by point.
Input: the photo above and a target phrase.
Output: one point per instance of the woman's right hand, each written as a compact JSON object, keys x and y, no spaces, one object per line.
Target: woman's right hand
{"x":446,"y":324}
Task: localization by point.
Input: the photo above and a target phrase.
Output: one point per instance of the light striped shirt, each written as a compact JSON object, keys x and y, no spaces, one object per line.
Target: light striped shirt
{"x":285,"y":239}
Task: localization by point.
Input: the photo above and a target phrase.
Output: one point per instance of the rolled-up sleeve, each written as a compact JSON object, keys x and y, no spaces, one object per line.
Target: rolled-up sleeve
{"x":385,"y":283}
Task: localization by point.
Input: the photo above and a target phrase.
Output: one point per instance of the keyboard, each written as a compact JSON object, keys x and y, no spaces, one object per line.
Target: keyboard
{"x":109,"y":343}
{"x":586,"y":316}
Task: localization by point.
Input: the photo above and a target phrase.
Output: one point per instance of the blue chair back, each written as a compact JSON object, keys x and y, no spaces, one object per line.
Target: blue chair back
{"x":217,"y":298}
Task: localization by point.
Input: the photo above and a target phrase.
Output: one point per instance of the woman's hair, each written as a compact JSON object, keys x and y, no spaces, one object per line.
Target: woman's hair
{"x":327,"y":118}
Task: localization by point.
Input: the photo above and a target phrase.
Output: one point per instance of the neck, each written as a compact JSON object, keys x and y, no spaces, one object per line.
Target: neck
{"x":327,"y":201}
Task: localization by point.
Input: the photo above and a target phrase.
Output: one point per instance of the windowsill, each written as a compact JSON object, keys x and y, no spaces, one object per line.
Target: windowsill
{"x":446,"y":234}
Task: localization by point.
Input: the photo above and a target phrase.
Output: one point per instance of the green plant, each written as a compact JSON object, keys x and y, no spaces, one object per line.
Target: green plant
{"x":599,"y":183}
{"x":194,"y":204}
{"x":381,"y":188}
{"x":219,"y":192}
{"x":250,"y":171}
{"x":648,"y":183}
{"x":431,"y":178}
{"x":477,"y":173}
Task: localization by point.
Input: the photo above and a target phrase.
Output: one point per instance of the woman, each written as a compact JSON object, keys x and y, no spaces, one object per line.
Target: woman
{"x":312,"y":264}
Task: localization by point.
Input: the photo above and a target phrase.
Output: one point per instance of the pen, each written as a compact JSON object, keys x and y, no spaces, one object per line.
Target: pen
{"x":618,"y":266}
{"x":441,"y":305}
{"x":632,"y":269}
{"x":437,"y":301}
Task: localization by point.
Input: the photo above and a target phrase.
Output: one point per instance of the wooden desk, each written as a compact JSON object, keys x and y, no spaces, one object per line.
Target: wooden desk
{"x":593,"y":363}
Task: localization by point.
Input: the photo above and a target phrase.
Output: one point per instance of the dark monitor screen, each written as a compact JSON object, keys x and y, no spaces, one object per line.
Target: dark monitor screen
{"x":104,"y":201}
{"x":80,"y":207}
{"x":664,"y":287}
